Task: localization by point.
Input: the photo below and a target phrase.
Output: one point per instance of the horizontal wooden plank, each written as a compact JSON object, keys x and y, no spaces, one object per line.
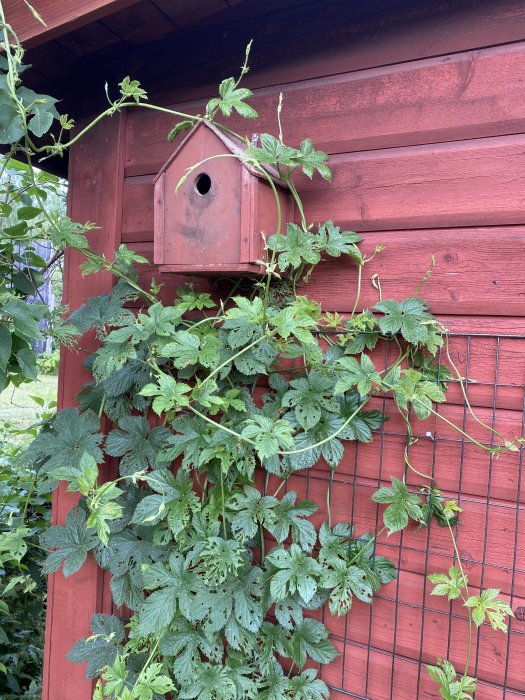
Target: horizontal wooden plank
{"x":472,"y":274}
{"x":185,"y":12}
{"x":139,"y":24}
{"x":467,"y":95}
{"x":377,"y":34}
{"x":467,"y":183}
{"x":60,"y":16}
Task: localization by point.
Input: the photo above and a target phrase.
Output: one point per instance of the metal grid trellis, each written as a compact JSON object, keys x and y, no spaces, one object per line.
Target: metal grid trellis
{"x":384,"y":647}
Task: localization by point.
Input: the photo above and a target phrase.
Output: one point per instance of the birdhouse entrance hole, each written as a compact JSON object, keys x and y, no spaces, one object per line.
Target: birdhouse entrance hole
{"x":202,"y":184}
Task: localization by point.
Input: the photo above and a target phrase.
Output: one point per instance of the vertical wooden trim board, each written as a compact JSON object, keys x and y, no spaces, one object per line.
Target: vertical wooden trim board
{"x":96,"y":176}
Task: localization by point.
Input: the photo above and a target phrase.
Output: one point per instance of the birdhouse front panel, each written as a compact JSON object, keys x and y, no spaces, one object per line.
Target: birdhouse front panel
{"x":212,"y":219}
{"x":199,"y":225}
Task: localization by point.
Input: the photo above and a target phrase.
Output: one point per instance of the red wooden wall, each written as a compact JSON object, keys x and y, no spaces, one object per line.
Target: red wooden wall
{"x":427,"y":142}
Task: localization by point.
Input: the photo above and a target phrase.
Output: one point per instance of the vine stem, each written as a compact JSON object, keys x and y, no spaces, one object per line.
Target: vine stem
{"x":358,"y":293}
{"x":282,"y":452}
{"x":329,"y":498}
{"x":470,"y":621}
{"x":298,"y":201}
{"x":234,"y":357}
{"x":464,"y":393}
{"x":148,"y":661}
{"x":458,"y":429}
{"x":223,"y":507}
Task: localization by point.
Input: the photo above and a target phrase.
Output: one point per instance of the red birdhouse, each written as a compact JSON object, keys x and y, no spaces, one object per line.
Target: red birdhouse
{"x":215,"y":222}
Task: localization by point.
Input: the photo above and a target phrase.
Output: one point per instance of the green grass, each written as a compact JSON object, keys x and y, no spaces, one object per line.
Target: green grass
{"x":16,"y":405}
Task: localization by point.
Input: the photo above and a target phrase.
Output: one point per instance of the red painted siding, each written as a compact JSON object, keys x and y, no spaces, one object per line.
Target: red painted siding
{"x":428,"y":158}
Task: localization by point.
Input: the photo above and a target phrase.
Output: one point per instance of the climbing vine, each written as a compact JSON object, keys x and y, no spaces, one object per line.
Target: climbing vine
{"x":210,"y":408}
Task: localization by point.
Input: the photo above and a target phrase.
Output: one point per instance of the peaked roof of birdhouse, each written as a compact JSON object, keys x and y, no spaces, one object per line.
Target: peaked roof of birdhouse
{"x":234,"y":145}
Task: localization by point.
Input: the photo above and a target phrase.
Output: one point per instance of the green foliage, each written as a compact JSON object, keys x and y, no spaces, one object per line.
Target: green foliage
{"x":71,"y":543}
{"x":451,"y":585}
{"x":300,"y":247}
{"x":232,"y":98}
{"x":48,"y":363}
{"x":404,"y":506}
{"x":451,"y":687}
{"x":488,"y":606}
{"x":24,"y":514}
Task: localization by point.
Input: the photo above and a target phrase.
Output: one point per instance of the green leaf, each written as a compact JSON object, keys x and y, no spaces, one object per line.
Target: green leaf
{"x":65,"y":233}
{"x":310,"y":395}
{"x":360,"y":375}
{"x":292,"y":321}
{"x":190,"y":439}
{"x":251,"y":509}
{"x":210,"y":682}
{"x":312,"y":160}
{"x":11,"y":128}
{"x":221,"y":559}
{"x":137,"y":444}
{"x":408,"y":317}
{"x":189,"y":349}
{"x":345,"y":582}
{"x":71,"y":543}
{"x":101,"y":648}
{"x":310,"y":640}
{"x":268,"y":435}
{"x":294,"y":249}
{"x":451,"y":585}
{"x":404,"y":505}
{"x":412,"y":388}
{"x":488,"y":605}
{"x":171,"y":585}
{"x":131,"y":89}
{"x":179,"y":128}
{"x":26,"y":358}
{"x":273,"y":152}
{"x":306,"y":687}
{"x":188,"y":644}
{"x":244,"y":321}
{"x":291,"y":515}
{"x":451,"y":687}
{"x":232,"y":98}
{"x":152,"y":682}
{"x":25,"y":318}
{"x":103,"y":508}
{"x":296,"y":573}
{"x":190,"y":300}
{"x":70,"y":436}
{"x":175,"y":501}
{"x":27,"y":213}
{"x":169,"y":394}
{"x":5,"y":346}
{"x":337,"y":242}
{"x":81,"y":476}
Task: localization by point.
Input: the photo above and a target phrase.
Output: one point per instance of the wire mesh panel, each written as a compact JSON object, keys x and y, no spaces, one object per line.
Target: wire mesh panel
{"x":384,"y":647}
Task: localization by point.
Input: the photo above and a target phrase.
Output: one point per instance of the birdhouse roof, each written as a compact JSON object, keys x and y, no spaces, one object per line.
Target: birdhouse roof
{"x":234,"y":145}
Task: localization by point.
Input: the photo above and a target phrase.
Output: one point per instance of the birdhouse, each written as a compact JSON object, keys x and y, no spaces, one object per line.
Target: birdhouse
{"x":214,"y":223}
